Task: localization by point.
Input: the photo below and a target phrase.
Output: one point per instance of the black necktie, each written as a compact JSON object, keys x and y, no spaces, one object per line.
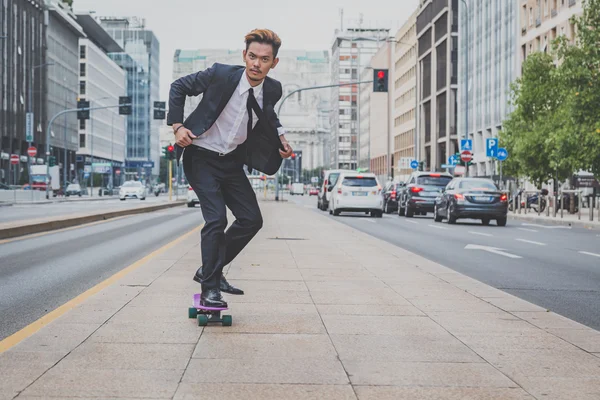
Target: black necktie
{"x":249,"y":104}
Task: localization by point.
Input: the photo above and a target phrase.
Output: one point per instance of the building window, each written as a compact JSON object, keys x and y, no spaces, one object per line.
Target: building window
{"x":81,"y":69}
{"x":82,"y":52}
{"x":82,"y":87}
{"x":82,"y":126}
{"x":82,"y":139}
{"x":530,"y":16}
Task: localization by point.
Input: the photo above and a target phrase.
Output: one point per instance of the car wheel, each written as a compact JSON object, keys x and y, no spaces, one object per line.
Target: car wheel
{"x":191,"y":205}
{"x":485,"y":221}
{"x":400,"y":211}
{"x":451,"y":218}
{"x":385,"y":208}
{"x":122,"y":199}
{"x":501,"y":221}
{"x":330,"y":211}
{"x":409,"y":213}
{"x":436,"y":216}
{"x":336,"y":213}
{"x":142,"y":198}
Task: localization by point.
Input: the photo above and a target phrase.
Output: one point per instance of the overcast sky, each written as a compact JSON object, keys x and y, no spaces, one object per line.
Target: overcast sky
{"x":194,"y":24}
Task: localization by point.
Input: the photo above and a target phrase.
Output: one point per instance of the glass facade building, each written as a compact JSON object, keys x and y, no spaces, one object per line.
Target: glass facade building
{"x":493,"y":51}
{"x":141,"y":62}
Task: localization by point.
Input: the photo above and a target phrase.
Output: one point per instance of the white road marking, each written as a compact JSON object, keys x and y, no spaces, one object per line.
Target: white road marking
{"x":590,"y":254}
{"x":531,"y":241}
{"x":548,"y":227}
{"x":411,"y":222}
{"x":438,"y":227}
{"x":491,"y":249}
{"x":480,"y":233}
{"x":368,"y":220}
{"x":527,"y":230}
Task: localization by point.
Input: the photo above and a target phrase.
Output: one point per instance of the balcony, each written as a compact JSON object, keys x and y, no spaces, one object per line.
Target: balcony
{"x":554,"y":13}
{"x":572,"y":3}
{"x":538,"y":21}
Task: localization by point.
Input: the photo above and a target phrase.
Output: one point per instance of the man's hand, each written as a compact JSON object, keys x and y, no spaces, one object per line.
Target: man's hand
{"x":184,"y":137}
{"x":288,"y":149}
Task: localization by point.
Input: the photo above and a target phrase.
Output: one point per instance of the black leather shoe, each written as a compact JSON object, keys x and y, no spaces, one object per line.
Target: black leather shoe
{"x":212,"y":298}
{"x":224,"y":286}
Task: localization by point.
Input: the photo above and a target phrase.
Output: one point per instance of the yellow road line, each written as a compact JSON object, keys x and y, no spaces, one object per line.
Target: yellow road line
{"x":32,"y":328}
{"x":34,"y":235}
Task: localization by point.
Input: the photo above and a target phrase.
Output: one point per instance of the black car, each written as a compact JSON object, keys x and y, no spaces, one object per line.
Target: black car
{"x":391,"y":194}
{"x":420,"y":192}
{"x":475,"y":198}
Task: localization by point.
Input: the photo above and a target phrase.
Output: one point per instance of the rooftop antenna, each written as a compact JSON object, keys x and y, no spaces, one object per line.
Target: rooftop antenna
{"x":342,"y":19}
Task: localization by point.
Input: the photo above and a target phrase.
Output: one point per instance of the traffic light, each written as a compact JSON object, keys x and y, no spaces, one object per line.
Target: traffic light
{"x":51,"y":161}
{"x":125,"y":105}
{"x":293,"y":156}
{"x":163,"y":152}
{"x":159,"y":109}
{"x":421,"y":165}
{"x":380,"y":80}
{"x":170,"y":152}
{"x":83,"y":114}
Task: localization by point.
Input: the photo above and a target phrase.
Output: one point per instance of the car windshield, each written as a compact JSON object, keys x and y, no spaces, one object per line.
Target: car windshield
{"x":132,"y":184}
{"x":333,"y":178}
{"x":434,"y":180}
{"x":477,"y":184}
{"x":359,"y":182}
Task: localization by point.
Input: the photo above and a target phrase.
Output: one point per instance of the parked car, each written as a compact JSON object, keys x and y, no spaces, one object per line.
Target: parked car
{"x":475,"y":198}
{"x":132,"y":189}
{"x":418,"y":196}
{"x":391,"y":194}
{"x":331,"y":178}
{"x":313,"y":191}
{"x":74,"y":189}
{"x":356,"y":192}
{"x":192,"y":197}
{"x":297,"y":188}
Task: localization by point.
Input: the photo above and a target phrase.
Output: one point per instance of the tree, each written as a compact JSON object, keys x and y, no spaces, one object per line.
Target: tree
{"x":554,"y":129}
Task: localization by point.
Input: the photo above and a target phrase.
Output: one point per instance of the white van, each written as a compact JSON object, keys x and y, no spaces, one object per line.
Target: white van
{"x":297,"y":188}
{"x":329,"y":182}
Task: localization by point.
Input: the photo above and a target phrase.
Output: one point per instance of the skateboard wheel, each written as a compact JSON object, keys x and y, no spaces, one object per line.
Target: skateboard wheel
{"x":227,"y":320}
{"x":192,"y":312}
{"x":202,"y":320}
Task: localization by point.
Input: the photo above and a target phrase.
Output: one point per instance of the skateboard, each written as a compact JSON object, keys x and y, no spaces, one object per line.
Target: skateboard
{"x":208,"y":315}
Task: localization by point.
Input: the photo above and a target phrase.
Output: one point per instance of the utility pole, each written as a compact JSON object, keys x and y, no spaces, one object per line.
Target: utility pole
{"x":466,"y":89}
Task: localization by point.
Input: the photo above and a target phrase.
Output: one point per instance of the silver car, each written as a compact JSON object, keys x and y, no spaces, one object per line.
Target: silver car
{"x":132,"y":189}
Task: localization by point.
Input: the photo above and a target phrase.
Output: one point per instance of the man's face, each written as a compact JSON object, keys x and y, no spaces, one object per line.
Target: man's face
{"x":259,"y":60}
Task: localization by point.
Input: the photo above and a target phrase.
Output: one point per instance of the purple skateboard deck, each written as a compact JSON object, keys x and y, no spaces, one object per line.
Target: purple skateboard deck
{"x":201,"y":307}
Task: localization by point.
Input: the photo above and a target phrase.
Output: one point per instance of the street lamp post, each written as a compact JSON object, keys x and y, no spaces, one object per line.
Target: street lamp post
{"x":466,"y":13}
{"x":30,"y":111}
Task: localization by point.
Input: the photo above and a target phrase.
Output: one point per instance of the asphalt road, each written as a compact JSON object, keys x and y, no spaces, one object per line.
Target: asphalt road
{"x":39,"y":274}
{"x":20,"y":212}
{"x":555,"y":267}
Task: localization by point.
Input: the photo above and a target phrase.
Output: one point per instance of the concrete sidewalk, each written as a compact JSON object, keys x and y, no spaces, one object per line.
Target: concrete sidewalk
{"x":329,"y":313}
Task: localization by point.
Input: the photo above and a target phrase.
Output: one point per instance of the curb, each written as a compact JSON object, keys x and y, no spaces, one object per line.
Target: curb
{"x":28,"y":229}
{"x":556,"y":221}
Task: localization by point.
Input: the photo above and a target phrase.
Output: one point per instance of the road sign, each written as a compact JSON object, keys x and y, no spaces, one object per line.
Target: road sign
{"x":414,"y":164}
{"x":29,"y":127}
{"x":404,"y":162}
{"x":452,"y":160}
{"x":466,"y":144}
{"x":459,"y":170}
{"x":86,"y":175}
{"x":87,"y":168}
{"x":502,"y":154}
{"x":491,"y":147}
{"x":118,"y":172}
{"x":314,"y":179}
{"x":466,"y":156}
{"x":32,"y":151}
{"x":14,"y":159}
{"x":448,"y":165}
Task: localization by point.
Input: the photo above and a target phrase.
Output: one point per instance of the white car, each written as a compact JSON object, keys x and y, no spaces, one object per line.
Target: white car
{"x":357,"y":192}
{"x":192,"y":197}
{"x":331,"y":178}
{"x":132,"y":189}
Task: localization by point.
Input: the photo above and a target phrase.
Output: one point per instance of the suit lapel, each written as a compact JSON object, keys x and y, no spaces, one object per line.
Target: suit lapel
{"x":228,"y":88}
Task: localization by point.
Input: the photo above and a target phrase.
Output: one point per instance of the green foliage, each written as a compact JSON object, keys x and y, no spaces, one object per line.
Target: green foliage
{"x":555,"y":126}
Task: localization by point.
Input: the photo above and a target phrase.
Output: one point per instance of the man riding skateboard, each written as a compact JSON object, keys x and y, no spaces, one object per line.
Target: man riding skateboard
{"x":234,"y":125}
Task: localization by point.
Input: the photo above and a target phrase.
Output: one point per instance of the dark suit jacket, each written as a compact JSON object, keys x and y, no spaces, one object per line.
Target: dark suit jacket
{"x":217,"y":84}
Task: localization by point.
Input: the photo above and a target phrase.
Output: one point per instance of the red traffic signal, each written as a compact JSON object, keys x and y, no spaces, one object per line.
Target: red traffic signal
{"x":293,"y":156}
{"x":170,"y":149}
{"x":380,"y":80}
{"x":380,"y":74}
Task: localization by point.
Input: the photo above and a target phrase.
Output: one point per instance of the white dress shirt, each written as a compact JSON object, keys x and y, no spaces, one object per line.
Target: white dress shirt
{"x":230,"y":129}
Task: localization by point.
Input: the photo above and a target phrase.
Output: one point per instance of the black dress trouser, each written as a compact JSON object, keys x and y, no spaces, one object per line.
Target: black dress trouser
{"x":220,"y":181}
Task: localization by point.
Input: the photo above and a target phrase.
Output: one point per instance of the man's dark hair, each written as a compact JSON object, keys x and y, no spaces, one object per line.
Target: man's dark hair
{"x":266,"y":36}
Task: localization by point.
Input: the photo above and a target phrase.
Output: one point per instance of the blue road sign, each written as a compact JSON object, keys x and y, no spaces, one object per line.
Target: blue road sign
{"x":86,"y":175}
{"x":414,"y":164}
{"x":502,"y":154}
{"x":452,"y":161}
{"x":466,"y":144}
{"x":491,"y":147}
{"x":448,"y":165}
